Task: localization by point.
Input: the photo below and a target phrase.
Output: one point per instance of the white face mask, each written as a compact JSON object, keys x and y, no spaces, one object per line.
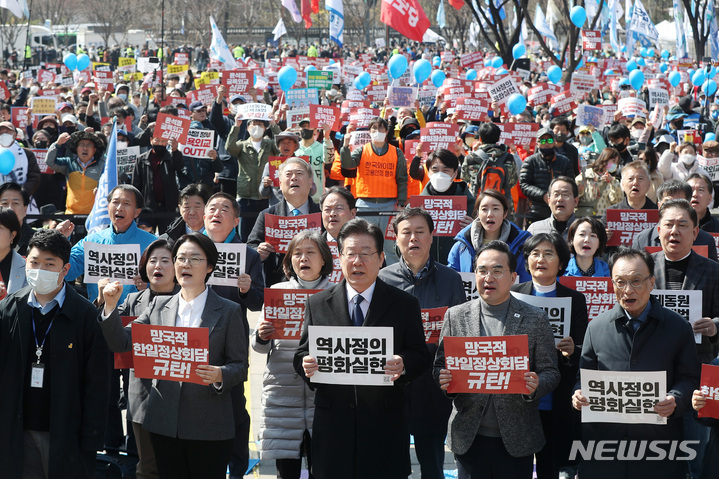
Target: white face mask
{"x":121,"y":144}
{"x":440,"y":181}
{"x":636,"y":134}
{"x":256,"y":132}
{"x":688,"y":160}
{"x":378,"y":136}
{"x":6,"y":140}
{"x":42,"y":281}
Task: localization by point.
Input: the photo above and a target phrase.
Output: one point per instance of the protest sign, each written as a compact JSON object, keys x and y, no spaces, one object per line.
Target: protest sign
{"x":563,"y":103}
{"x":489,"y":365}
{"x":336,"y":275}
{"x":377,"y":93}
{"x":206,"y":94}
{"x":446,"y":212}
{"x":582,"y":83}
{"x":198,"y":143}
{"x":542,"y":93}
{"x":45,"y":76}
{"x":591,"y":39}
{"x":321,"y":115}
{"x":230,"y":264}
{"x":170,"y":127}
{"x":559,"y":312}
{"x":20,"y":118}
{"x":432,"y":321}
{"x":359,"y":139}
{"x":43,"y":105}
{"x":351,"y":355}
{"x":469,"y":59}
{"x":598,"y":292}
{"x":689,"y":136}
{"x":124,"y":360}
{"x":658,"y":96}
{"x":274,"y":163}
{"x":104,"y":79}
{"x":439,"y":135}
{"x":469,"y":283}
{"x":285,"y":309}
{"x":711,"y":165}
{"x":126,"y":159}
{"x":631,"y":107}
{"x":453,"y":93}
{"x":686,"y":303}
{"x":502,"y":89}
{"x":295,"y":117}
{"x":709,"y":386}
{"x":255,"y":111}
{"x":469,"y":109}
{"x":623,"y":396}
{"x":519,"y":134}
{"x":41,"y":163}
{"x":402,"y":96}
{"x":179,"y":70}
{"x":302,"y":97}
{"x":319,"y":79}
{"x":279,"y":230}
{"x":237,"y":81}
{"x":118,"y":262}
{"x":626,"y":224}
{"x":590,"y":115}
{"x":169,"y":353}
{"x":4,"y":92}
{"x":125,"y":62}
{"x":182,"y":58}
{"x":360,"y":117}
{"x":427,"y":95}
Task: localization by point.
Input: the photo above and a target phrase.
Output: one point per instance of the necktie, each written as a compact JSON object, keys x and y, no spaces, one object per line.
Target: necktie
{"x":296,"y":212}
{"x":357,"y":314}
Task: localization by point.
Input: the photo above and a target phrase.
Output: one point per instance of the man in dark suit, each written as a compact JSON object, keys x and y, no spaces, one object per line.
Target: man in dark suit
{"x":361,"y":431}
{"x":702,"y":199}
{"x":295,"y":183}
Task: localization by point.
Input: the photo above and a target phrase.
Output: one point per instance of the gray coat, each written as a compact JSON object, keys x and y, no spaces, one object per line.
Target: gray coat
{"x":518,"y":414}
{"x":547,"y":226}
{"x":189,"y":410}
{"x":288,"y":403}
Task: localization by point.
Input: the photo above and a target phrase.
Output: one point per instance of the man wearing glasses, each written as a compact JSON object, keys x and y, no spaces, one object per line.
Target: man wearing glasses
{"x":639,"y":334}
{"x":563,"y":198}
{"x":537,"y":173}
{"x":497,"y":435}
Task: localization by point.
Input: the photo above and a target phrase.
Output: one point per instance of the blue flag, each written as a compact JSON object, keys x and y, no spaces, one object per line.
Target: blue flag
{"x":99,"y":217}
{"x":337,"y":21}
{"x":441,"y":19}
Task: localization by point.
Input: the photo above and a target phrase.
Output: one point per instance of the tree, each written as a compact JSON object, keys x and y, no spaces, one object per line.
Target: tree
{"x":700,"y":14}
{"x":499,"y":34}
{"x":111,"y":19}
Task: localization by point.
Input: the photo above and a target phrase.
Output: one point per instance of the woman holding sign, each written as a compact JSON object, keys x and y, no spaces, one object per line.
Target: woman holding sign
{"x":546,"y":256}
{"x":191,"y":425}
{"x":287,"y":401}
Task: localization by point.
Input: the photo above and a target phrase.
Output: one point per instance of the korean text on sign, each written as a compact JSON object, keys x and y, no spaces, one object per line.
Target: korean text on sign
{"x":687,"y":304}
{"x":336,"y":275}
{"x":170,"y":127}
{"x":623,"y":396}
{"x":432,"y":322}
{"x":559,"y":312}
{"x":709,"y":386}
{"x":231,"y":258}
{"x":351,"y":355}
{"x":446,"y":212}
{"x":285,"y":309}
{"x":490,"y":365}
{"x":198,"y":143}
{"x":626,"y":224}
{"x":599,"y":293}
{"x":279,"y":230}
{"x":169,"y":352}
{"x":118,"y":262}
{"x":469,"y":282}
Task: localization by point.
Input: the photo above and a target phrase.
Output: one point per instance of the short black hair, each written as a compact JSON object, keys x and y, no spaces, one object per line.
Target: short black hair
{"x":560,"y":120}
{"x":566,"y":179}
{"x":341,"y":191}
{"x":9,"y":220}
{"x":378,"y":121}
{"x":496,"y":245}
{"x":53,"y":242}
{"x":160,"y":243}
{"x":322,"y":246}
{"x":139,"y":201}
{"x":228,"y":197}
{"x":624,"y":252}
{"x":196,"y":189}
{"x":11,"y":186}
{"x":205,"y":244}
{"x":447,"y":158}
{"x":489,"y":132}
{"x":560,"y":246}
{"x":359,"y":226}
{"x":672,"y":187}
{"x":411,"y":212}
{"x":618,"y":131}
{"x":693,"y":176}
{"x":597,"y":228}
{"x":682,"y":205}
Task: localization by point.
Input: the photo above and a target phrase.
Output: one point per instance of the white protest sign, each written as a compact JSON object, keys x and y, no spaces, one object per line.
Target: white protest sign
{"x":623,"y":396}
{"x":255,"y":111}
{"x":559,"y":312}
{"x":687,"y":304}
{"x":230,"y":264}
{"x":118,"y":262}
{"x":469,"y":282}
{"x":351,"y":355}
{"x":658,"y":96}
{"x":711,"y":165}
{"x":294,"y":117}
{"x":199,"y":142}
{"x":126,"y":158}
{"x":631,"y":107}
{"x":502,"y":89}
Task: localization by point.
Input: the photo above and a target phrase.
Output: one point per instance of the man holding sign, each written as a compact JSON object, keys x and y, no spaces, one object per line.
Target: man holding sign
{"x":502,"y":431}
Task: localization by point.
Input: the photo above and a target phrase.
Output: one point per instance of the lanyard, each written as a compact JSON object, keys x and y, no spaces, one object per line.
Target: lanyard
{"x":38,"y":347}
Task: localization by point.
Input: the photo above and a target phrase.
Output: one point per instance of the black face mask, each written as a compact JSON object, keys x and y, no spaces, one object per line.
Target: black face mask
{"x":677,"y":125}
{"x":620,"y":147}
{"x":82,"y":116}
{"x":70,"y":129}
{"x":307,"y":134}
{"x":547,"y":153}
{"x":560,"y":137}
{"x":86,"y":98}
{"x":41,"y":144}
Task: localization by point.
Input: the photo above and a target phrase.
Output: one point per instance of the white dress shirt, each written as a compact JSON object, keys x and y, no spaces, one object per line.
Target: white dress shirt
{"x":189,"y":313}
{"x":366,"y":294}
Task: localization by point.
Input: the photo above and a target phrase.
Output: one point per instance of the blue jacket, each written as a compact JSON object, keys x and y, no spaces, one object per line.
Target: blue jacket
{"x":133,"y":235}
{"x":601,"y":269}
{"x":462,"y":253}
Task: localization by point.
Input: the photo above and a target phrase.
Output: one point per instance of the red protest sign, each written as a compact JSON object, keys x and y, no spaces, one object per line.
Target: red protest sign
{"x":432,"y":321}
{"x":389,"y":233}
{"x":360,"y":117}
{"x":439,"y":135}
{"x":626,"y":224}
{"x":279,"y":230}
{"x":453,"y":93}
{"x":563,"y":103}
{"x":182,"y":58}
{"x":206,"y":95}
{"x":519,"y":134}
{"x":20,"y":117}
{"x":170,"y":127}
{"x":489,"y":365}
{"x":237,"y":81}
{"x":285,"y":309}
{"x":716,"y":238}
{"x":709,"y":386}
{"x":446,"y":212}
{"x":45,"y":76}
{"x":169,"y":352}
{"x":40,"y":157}
{"x":321,"y":115}
{"x":124,"y":360}
{"x":542,"y":93}
{"x":336,"y":275}
{"x":469,"y":59}
{"x":377,"y":93}
{"x":599,"y":293}
{"x":275,"y":162}
{"x":591,"y":39}
{"x":104,"y":79}
{"x":4,"y":92}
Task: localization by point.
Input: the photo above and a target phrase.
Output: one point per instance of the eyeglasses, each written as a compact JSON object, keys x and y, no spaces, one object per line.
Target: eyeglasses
{"x":563,"y":195}
{"x":339,"y":209}
{"x":547,"y":255}
{"x":362,"y":256}
{"x":497,"y":272}
{"x":637,"y":284}
{"x":546,"y":141}
{"x":192,"y":260}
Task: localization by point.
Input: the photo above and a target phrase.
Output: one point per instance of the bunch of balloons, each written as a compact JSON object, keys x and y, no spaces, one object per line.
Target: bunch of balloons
{"x":76,"y":62}
{"x":362,"y":80}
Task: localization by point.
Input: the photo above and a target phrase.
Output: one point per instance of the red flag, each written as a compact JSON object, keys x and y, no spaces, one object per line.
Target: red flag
{"x":405,"y":16}
{"x":315,"y":6}
{"x":456,"y":3}
{"x":306,"y":11}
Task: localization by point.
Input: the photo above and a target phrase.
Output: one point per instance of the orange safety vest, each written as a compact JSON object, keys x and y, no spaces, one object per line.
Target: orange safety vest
{"x":377,"y":175}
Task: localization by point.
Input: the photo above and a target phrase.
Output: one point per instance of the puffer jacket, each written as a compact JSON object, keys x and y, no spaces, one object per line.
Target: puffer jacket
{"x":250,"y":161}
{"x":534,"y":179}
{"x":287,"y":402}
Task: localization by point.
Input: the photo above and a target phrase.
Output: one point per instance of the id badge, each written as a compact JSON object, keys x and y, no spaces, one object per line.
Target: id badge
{"x":36,"y":377}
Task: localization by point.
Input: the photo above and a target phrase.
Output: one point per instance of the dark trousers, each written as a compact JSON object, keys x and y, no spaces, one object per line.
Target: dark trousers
{"x":188,"y":459}
{"x":292,"y":468}
{"x":546,"y":467}
{"x":239,"y":454}
{"x":487,"y":458}
{"x":249,"y":210}
{"x":430,"y":454}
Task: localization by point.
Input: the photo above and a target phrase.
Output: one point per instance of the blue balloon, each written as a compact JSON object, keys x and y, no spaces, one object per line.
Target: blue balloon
{"x":709,"y":137}
{"x":663,"y":67}
{"x":709,"y":87}
{"x":438,"y":77}
{"x":286,"y":77}
{"x":516,"y":103}
{"x":436,"y":61}
{"x":364,"y":80}
{"x":83,"y":62}
{"x":624,"y":48}
{"x":712,"y":72}
{"x":578,"y":15}
{"x":332,"y":62}
{"x":631,"y":65}
{"x":644,"y":52}
{"x":310,"y":68}
{"x":665,"y":54}
{"x":518,"y":50}
{"x":699,"y":77}
{"x":7,"y":161}
{"x":554,"y":74}
{"x":651,"y":52}
{"x":580,"y":64}
{"x":641,"y":62}
{"x":636,"y":79}
{"x":609,"y":73}
{"x":397,"y":65}
{"x":421,"y":70}
{"x":497,"y":62}
{"x":502,"y":71}
{"x":487,"y":62}
{"x":674,"y":78}
{"x":471,"y":74}
{"x":357,"y":82}
{"x":690,"y":72}
{"x":70,"y":61}
{"x":624,"y":81}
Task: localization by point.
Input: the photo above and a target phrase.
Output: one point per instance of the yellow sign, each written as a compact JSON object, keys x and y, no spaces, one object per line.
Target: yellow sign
{"x":137,"y":76}
{"x":210,"y":76}
{"x":43,"y":105}
{"x":105,"y":66}
{"x":176,"y":69}
{"x":123,"y":62}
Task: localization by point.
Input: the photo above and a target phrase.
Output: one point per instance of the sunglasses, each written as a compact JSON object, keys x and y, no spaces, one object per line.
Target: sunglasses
{"x":547,"y":141}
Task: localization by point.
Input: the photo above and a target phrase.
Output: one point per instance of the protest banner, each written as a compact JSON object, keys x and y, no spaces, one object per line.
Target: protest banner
{"x":686,"y":303}
{"x":559,"y":312}
{"x":319,"y":79}
{"x":711,"y":165}
{"x":402,"y":96}
{"x":295,"y":117}
{"x":432,"y":321}
{"x":469,"y":59}
{"x":563,"y":103}
{"x":625,"y":397}
{"x":489,"y":365}
{"x":41,"y":163}
{"x":689,"y":136}
{"x":43,"y":105}
{"x":360,"y":117}
{"x":519,"y":134}
{"x":598,"y":292}
{"x":206,"y":94}
{"x":709,"y":386}
{"x":302,"y":97}
{"x":590,"y":115}
{"x":659,"y":97}
{"x":469,"y":109}
{"x":230,"y":264}
{"x":321,"y":115}
{"x":336,"y":275}
{"x":169,"y":353}
{"x":285,"y":309}
{"x":377,"y":93}
{"x":350,"y":72}
{"x":182,"y":58}
{"x":126,"y":159}
{"x":237,"y":81}
{"x":279,"y":230}
{"x":169,"y":127}
{"x":591,"y":39}
{"x":117,"y":262}
{"x":427,"y":95}
{"x":179,"y":70}
{"x":104,"y":80}
{"x":45,"y":76}
{"x":542,"y":93}
{"x":626,"y":224}
{"x":124,"y":360}
{"x":255,"y":111}
{"x":20,"y":118}
{"x":125,"y":62}
{"x":439,"y":135}
{"x":502,"y":89}
{"x":582,"y":83}
{"x":469,"y":283}
{"x":631,"y":107}
{"x":446,"y":212}
{"x":351,"y":355}
{"x":609,"y":111}
{"x":359,"y":139}
{"x":198,"y":143}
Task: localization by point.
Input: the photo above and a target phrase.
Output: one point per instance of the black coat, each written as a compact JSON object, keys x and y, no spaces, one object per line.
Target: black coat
{"x":79,"y":385}
{"x":142,"y":179}
{"x":534,"y":179}
{"x":361,"y":431}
